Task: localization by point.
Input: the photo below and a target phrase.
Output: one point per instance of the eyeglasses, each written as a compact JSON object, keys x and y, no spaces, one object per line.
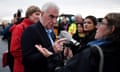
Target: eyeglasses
{"x":52,"y":16}
{"x":101,"y":23}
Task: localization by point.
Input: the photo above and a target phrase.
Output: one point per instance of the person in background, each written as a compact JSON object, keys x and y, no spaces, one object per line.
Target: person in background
{"x":15,"y":21}
{"x":89,"y":26}
{"x":73,"y":27}
{"x":39,"y":34}
{"x":78,"y":19}
{"x":7,"y":35}
{"x":107,"y":39}
{"x":79,"y":36}
{"x":32,"y":16}
{"x":10,"y":57}
{"x":5,"y":25}
{"x":63,"y":25}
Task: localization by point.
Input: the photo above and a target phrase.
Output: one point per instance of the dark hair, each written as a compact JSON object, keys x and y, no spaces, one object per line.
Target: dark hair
{"x":77,"y":28}
{"x":80,"y":24}
{"x":19,"y":13}
{"x":94,"y":20}
{"x":14,"y":15}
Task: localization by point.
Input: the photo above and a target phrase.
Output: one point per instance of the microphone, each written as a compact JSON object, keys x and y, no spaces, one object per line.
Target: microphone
{"x":68,"y":36}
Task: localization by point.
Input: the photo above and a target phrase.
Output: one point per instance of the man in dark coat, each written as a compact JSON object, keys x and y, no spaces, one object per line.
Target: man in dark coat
{"x":42,"y":34}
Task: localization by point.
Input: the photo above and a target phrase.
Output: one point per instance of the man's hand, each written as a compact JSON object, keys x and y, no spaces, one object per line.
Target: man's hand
{"x":58,"y":45}
{"x":44,"y":51}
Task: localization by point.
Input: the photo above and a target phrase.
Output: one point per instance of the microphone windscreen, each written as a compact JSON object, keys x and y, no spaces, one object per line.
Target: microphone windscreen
{"x":65,"y":34}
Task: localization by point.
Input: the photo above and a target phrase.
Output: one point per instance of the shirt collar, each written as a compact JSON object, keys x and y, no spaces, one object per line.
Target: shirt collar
{"x":48,"y":30}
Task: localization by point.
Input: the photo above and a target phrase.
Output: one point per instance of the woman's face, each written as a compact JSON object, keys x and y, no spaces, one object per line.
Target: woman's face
{"x":103,"y":30}
{"x":80,"y":28}
{"x":34,"y":17}
{"x":88,"y":25}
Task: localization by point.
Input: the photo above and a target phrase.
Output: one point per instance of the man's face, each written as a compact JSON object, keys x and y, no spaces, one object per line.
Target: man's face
{"x":78,"y":19}
{"x":49,"y":18}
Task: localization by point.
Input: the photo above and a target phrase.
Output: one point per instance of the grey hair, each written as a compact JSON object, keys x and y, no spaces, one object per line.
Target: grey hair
{"x":78,"y":15}
{"x":48,"y":5}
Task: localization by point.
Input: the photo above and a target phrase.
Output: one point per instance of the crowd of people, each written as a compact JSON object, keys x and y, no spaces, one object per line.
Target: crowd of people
{"x":33,"y":45}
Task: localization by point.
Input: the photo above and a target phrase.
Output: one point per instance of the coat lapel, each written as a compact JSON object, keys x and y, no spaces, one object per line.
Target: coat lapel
{"x":43,"y":35}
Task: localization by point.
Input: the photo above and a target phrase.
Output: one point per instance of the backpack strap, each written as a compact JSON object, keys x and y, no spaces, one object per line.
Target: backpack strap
{"x":101,"y":57}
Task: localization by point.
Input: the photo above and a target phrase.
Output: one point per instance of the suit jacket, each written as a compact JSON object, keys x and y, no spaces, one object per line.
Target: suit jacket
{"x":33,"y":60}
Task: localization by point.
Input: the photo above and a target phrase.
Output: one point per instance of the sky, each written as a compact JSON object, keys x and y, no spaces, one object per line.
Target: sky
{"x":97,"y":8}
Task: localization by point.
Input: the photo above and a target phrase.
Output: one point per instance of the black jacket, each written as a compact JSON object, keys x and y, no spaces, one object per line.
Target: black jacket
{"x":33,"y":60}
{"x":87,"y":60}
{"x":89,"y":36}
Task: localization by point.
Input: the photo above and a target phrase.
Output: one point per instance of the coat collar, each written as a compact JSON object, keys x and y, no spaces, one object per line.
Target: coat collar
{"x":43,"y":33}
{"x":26,"y":22}
{"x":98,"y":42}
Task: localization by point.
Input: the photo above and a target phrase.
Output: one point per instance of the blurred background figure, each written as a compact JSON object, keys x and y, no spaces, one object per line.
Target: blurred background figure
{"x":18,"y":17}
{"x":5,"y":24}
{"x":79,"y":36}
{"x":16,"y":20}
{"x":78,"y":19}
{"x":7,"y":35}
{"x":63,"y":25}
{"x":73,"y":26}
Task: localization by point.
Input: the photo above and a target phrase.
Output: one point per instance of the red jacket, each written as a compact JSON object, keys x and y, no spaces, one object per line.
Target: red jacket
{"x":15,"y":46}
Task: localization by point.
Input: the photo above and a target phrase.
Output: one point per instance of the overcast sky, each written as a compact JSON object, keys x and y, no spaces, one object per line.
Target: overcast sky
{"x":98,"y":8}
